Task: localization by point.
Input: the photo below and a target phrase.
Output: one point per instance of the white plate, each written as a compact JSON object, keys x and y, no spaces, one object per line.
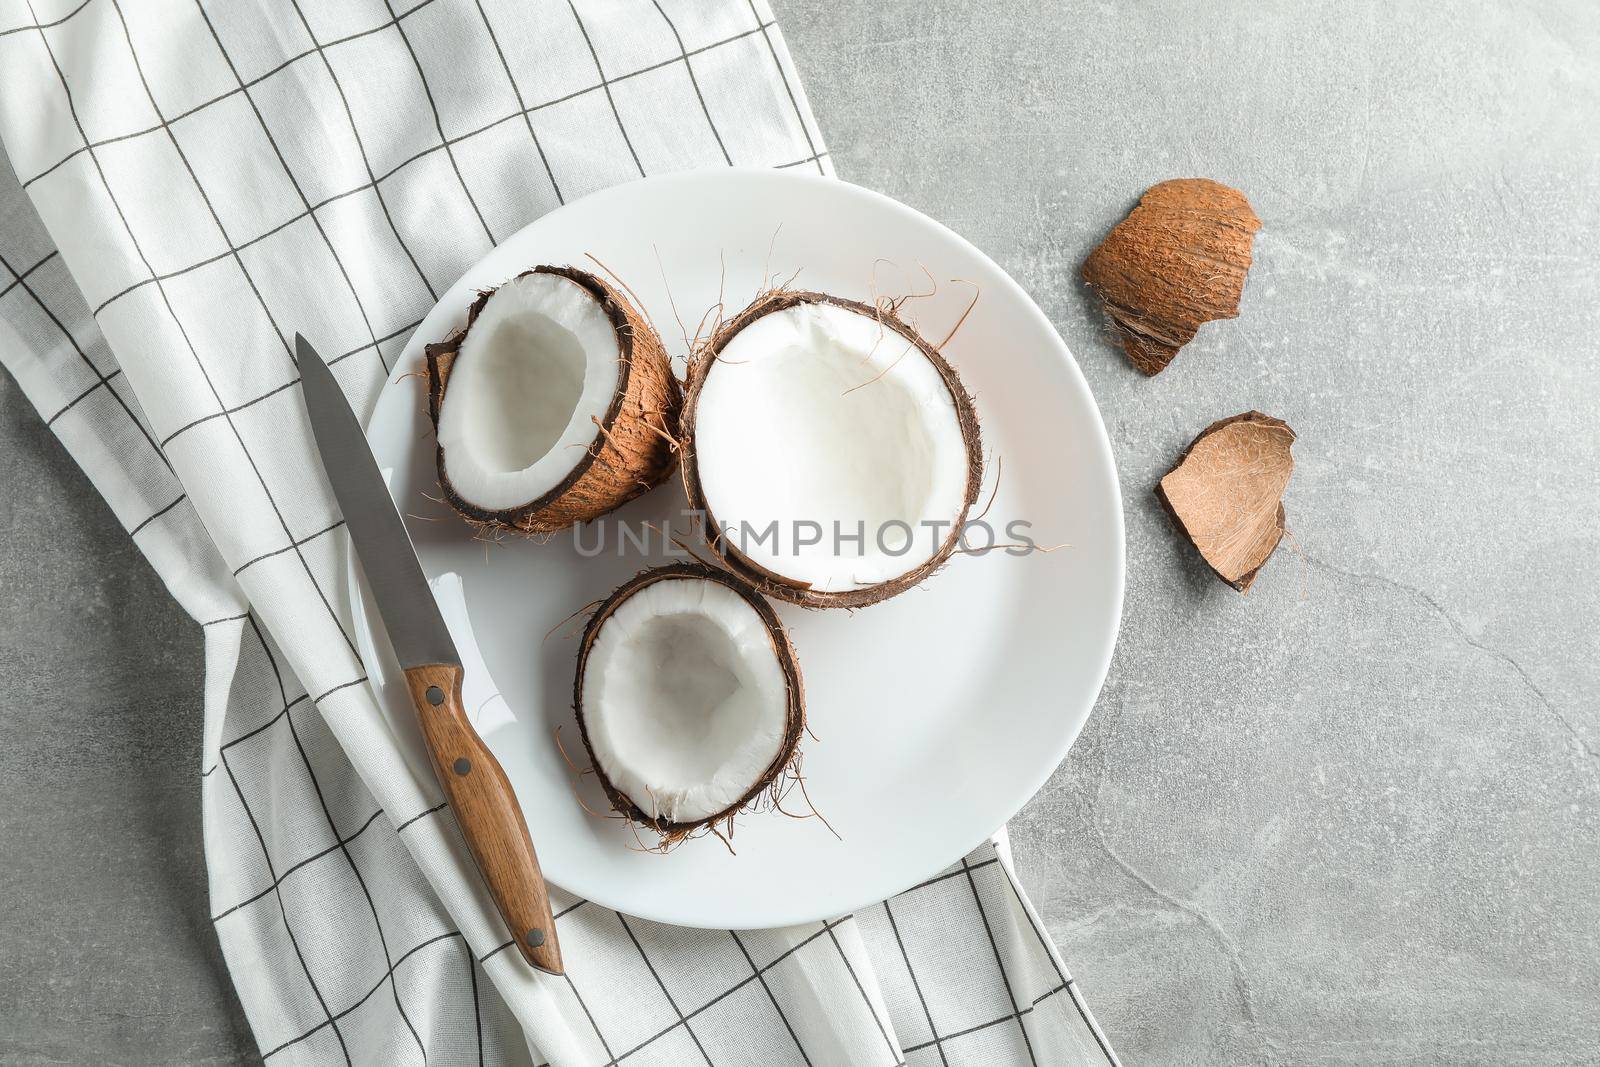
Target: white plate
{"x":937,"y":714}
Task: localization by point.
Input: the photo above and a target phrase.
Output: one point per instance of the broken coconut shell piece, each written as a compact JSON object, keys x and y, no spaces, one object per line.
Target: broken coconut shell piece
{"x":1226,"y":493}
{"x":1177,"y":261}
{"x":555,"y":404}
{"x":689,"y":700}
{"x":832,"y":450}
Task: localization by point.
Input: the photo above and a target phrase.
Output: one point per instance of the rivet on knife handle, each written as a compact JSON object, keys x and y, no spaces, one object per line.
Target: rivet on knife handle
{"x":487,"y":809}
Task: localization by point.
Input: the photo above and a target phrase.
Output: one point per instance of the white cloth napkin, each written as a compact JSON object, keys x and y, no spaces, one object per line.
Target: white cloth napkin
{"x":195,"y":181}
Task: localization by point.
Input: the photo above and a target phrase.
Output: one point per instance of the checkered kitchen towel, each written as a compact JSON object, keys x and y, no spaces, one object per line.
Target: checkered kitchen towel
{"x":196,"y":180}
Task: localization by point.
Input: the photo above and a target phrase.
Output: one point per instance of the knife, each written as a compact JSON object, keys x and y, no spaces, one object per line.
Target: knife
{"x":474,"y":783}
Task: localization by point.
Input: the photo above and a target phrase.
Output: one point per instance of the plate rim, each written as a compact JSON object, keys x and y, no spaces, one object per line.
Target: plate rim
{"x":1017,"y":799}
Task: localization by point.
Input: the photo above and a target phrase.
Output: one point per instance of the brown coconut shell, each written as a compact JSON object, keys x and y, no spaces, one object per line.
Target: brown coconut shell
{"x":775,"y":585}
{"x":633,"y":449}
{"x":1226,"y":493}
{"x":1176,"y":262}
{"x":772,"y":779}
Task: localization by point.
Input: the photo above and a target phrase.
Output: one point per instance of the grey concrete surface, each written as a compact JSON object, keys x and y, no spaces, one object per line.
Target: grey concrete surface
{"x":1352,"y":818}
{"x":106,"y":951}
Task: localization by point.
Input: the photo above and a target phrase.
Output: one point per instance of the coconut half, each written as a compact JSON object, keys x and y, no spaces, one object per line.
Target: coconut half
{"x":688,"y":697}
{"x":553,"y":406}
{"x":833,"y":450}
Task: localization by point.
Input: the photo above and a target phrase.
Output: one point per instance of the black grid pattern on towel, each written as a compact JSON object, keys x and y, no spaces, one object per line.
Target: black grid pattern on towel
{"x":339,"y":948}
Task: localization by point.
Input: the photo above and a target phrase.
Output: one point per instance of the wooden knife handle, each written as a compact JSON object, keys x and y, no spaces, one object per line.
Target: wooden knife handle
{"x":487,"y":809}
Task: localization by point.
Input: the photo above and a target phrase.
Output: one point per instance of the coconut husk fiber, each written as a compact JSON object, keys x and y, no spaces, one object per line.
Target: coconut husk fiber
{"x":1176,"y":262}
{"x":1226,"y":493}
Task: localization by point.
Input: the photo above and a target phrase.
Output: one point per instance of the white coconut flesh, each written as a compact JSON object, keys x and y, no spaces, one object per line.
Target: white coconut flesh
{"x":537,"y":367}
{"x":685,"y":702}
{"x":819,"y":414}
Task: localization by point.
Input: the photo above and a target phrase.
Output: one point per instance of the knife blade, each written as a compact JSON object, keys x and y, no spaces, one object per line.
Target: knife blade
{"x":473,"y":781}
{"x":410,"y":613}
